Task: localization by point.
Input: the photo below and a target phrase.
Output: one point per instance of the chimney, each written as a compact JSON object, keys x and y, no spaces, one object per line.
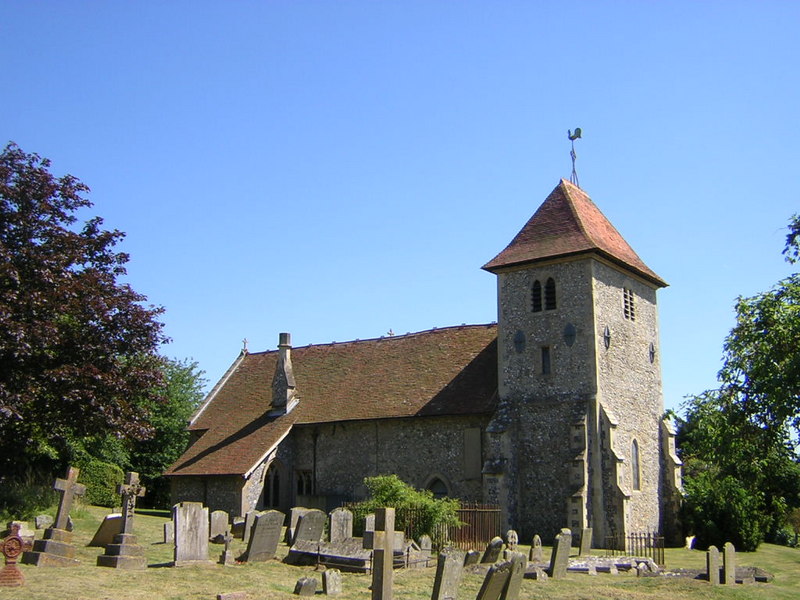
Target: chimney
{"x":284,"y":396}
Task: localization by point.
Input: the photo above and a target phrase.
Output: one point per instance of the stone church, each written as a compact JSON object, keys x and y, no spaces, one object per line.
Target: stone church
{"x":555,"y":413}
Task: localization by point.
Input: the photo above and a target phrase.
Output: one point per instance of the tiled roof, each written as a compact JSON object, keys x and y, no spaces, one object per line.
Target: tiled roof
{"x":449,"y":371}
{"x":569,"y":223}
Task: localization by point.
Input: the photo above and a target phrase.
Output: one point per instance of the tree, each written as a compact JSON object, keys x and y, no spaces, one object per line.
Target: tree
{"x":738,"y":441}
{"x":77,"y":346}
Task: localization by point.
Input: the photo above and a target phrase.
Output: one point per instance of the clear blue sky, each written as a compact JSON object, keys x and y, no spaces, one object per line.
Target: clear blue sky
{"x":337,"y":169}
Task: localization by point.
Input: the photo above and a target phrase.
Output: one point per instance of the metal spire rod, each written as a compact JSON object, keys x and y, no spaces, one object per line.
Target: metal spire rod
{"x":573,"y":178}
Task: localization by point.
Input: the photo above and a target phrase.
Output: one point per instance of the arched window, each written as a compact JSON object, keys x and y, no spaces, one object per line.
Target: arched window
{"x":636,"y":479}
{"x":272,"y":487}
{"x":438,"y":487}
{"x":550,"y":294}
{"x":536,"y":296}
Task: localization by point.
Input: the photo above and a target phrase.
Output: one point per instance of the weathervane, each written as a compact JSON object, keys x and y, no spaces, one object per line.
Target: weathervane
{"x":572,"y":137}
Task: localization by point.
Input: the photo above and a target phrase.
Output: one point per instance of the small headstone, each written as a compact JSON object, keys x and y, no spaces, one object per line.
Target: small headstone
{"x":237,"y":527}
{"x":473,"y":557}
{"x":341,"y":525}
{"x":169,"y":532}
{"x":306,"y":586}
{"x":449,"y":568}
{"x":191,"y":534}
{"x":11,"y":547}
{"x":495,"y":581}
{"x":535,"y":555}
{"x":369,"y":522}
{"x":217,"y":526}
{"x":425,"y":546}
{"x":712,"y":565}
{"x":111,"y":526}
{"x":42,"y":521}
{"x":517,"y":572}
{"x":559,"y":559}
{"x":728,"y":564}
{"x":512,"y":539}
{"x":264,"y":538}
{"x":586,"y":542}
{"x":310,"y":526}
{"x":383,"y":555}
{"x":226,"y":558}
{"x":332,"y":582}
{"x":493,"y":550}
{"x":249,"y":520}
{"x":233,"y":596}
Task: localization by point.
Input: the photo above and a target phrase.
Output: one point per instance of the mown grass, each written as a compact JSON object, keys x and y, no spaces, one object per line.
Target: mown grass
{"x":276,"y":580}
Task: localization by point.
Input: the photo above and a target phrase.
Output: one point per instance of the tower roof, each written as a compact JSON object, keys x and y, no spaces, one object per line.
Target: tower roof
{"x":568,"y":223}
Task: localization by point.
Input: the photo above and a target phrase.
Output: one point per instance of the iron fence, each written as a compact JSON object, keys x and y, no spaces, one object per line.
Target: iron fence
{"x":642,"y":545}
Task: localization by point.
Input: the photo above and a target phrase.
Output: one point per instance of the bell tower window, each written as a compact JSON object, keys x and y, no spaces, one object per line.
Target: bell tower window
{"x":536,"y":296}
{"x":550,"y":294}
{"x":629,"y":306}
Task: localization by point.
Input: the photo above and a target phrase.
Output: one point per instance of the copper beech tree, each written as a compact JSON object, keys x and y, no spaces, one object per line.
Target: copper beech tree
{"x":78,"y":347}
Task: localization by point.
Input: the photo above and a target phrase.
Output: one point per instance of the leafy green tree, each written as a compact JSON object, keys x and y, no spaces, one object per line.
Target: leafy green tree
{"x":738,"y":441}
{"x":78,"y":348}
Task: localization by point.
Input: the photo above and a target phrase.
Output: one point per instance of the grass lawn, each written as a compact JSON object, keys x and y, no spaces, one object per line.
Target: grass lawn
{"x":276,"y":580}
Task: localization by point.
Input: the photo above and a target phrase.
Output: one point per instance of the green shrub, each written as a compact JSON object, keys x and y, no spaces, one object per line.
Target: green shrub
{"x":25,"y":497}
{"x":101,"y":480}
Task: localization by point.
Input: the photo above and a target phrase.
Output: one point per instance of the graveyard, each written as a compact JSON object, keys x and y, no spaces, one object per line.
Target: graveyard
{"x":272,"y":577}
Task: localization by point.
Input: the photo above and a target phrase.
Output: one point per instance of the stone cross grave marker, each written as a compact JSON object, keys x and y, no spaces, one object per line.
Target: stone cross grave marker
{"x":69,"y":488}
{"x":129,"y":490}
{"x":10,"y":575}
{"x":310,"y":526}
{"x":191,"y":534}
{"x":449,"y":568}
{"x":495,"y":581}
{"x":493,"y":550}
{"x":226,"y":558}
{"x":263,"y":541}
{"x":728,"y":564}
{"x":559,"y":560}
{"x":341,"y":525}
{"x":124,"y":552}
{"x":535,"y":555}
{"x":515,"y":576}
{"x":712,"y":565}
{"x":383,"y":555}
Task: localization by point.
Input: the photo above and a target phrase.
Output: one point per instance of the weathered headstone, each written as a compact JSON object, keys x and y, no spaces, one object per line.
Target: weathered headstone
{"x":473,"y":557}
{"x":332,"y":582}
{"x":264,"y":538}
{"x":191,"y":534}
{"x":535,"y":555}
{"x":559,"y":559}
{"x":217,"y":526}
{"x":11,"y":547}
{"x":294,"y":517}
{"x":495,"y":581}
{"x":306,"y":586}
{"x":515,"y":576}
{"x":226,"y":558}
{"x":233,"y":596}
{"x":369,"y":522}
{"x":512,"y":539}
{"x":425,"y":547}
{"x":493,"y":550}
{"x":111,"y":526}
{"x":449,"y":568}
{"x":341,"y":525}
{"x":310,"y":526}
{"x":383,"y":555}
{"x":169,"y":532}
{"x":55,"y":548}
{"x":249,"y":520}
{"x":712,"y":565}
{"x":728,"y":564}
{"x":42,"y":521}
{"x":586,"y":542}
{"x":125,"y":552}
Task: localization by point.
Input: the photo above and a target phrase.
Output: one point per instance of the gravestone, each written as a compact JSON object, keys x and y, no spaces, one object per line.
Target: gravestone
{"x":712,"y":565}
{"x":332,"y":582}
{"x":264,"y":538}
{"x":55,"y":549}
{"x":125,"y":552}
{"x":306,"y":586}
{"x":586,"y":542}
{"x":11,"y":547}
{"x":535,"y":555}
{"x":473,"y":557}
{"x":559,"y":559}
{"x":449,"y":568}
{"x":249,"y":520}
{"x":493,"y":550}
{"x":217,"y":526}
{"x":191,"y":534}
{"x":728,"y":564}
{"x":42,"y":521}
{"x":515,"y":576}
{"x":512,"y":539}
{"x":310,"y":526}
{"x":495,"y":581}
{"x":233,"y":596}
{"x":425,"y":547}
{"x":383,"y":555}
{"x":294,"y":517}
{"x":169,"y":532}
{"x":369,"y":522}
{"x":226,"y":558}
{"x":341,"y":525}
{"x":111,"y":526}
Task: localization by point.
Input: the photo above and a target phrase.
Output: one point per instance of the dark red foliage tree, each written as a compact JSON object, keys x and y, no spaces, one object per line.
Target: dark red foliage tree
{"x":78,"y":348}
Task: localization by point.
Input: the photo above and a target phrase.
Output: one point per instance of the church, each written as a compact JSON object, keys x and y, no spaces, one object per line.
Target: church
{"x":554,"y":412}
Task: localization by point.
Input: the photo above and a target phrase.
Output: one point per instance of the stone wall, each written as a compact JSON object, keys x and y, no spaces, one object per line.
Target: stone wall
{"x":222,"y":492}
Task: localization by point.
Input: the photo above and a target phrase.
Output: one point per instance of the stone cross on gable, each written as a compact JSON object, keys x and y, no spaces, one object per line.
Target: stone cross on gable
{"x":69,"y":488}
{"x":129,"y":491}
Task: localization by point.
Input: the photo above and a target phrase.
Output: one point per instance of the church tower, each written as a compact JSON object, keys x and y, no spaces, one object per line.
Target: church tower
{"x":577,"y":440}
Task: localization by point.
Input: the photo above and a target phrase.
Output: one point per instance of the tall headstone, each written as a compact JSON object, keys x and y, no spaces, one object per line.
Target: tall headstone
{"x":341,"y":525}
{"x":263,"y":542}
{"x":55,"y":549}
{"x":310,"y":526}
{"x":712,"y":565}
{"x":728,"y":564}
{"x":217,"y":526}
{"x":586,"y":542}
{"x":191,"y":534}
{"x":294,"y":517}
{"x":515,"y":576}
{"x":383,"y":555}
{"x":11,"y":547}
{"x":535,"y":555}
{"x":249,"y":519}
{"x":559,"y":560}
{"x":449,"y":568}
{"x":495,"y":581}
{"x":125,"y":552}
{"x":493,"y":550}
